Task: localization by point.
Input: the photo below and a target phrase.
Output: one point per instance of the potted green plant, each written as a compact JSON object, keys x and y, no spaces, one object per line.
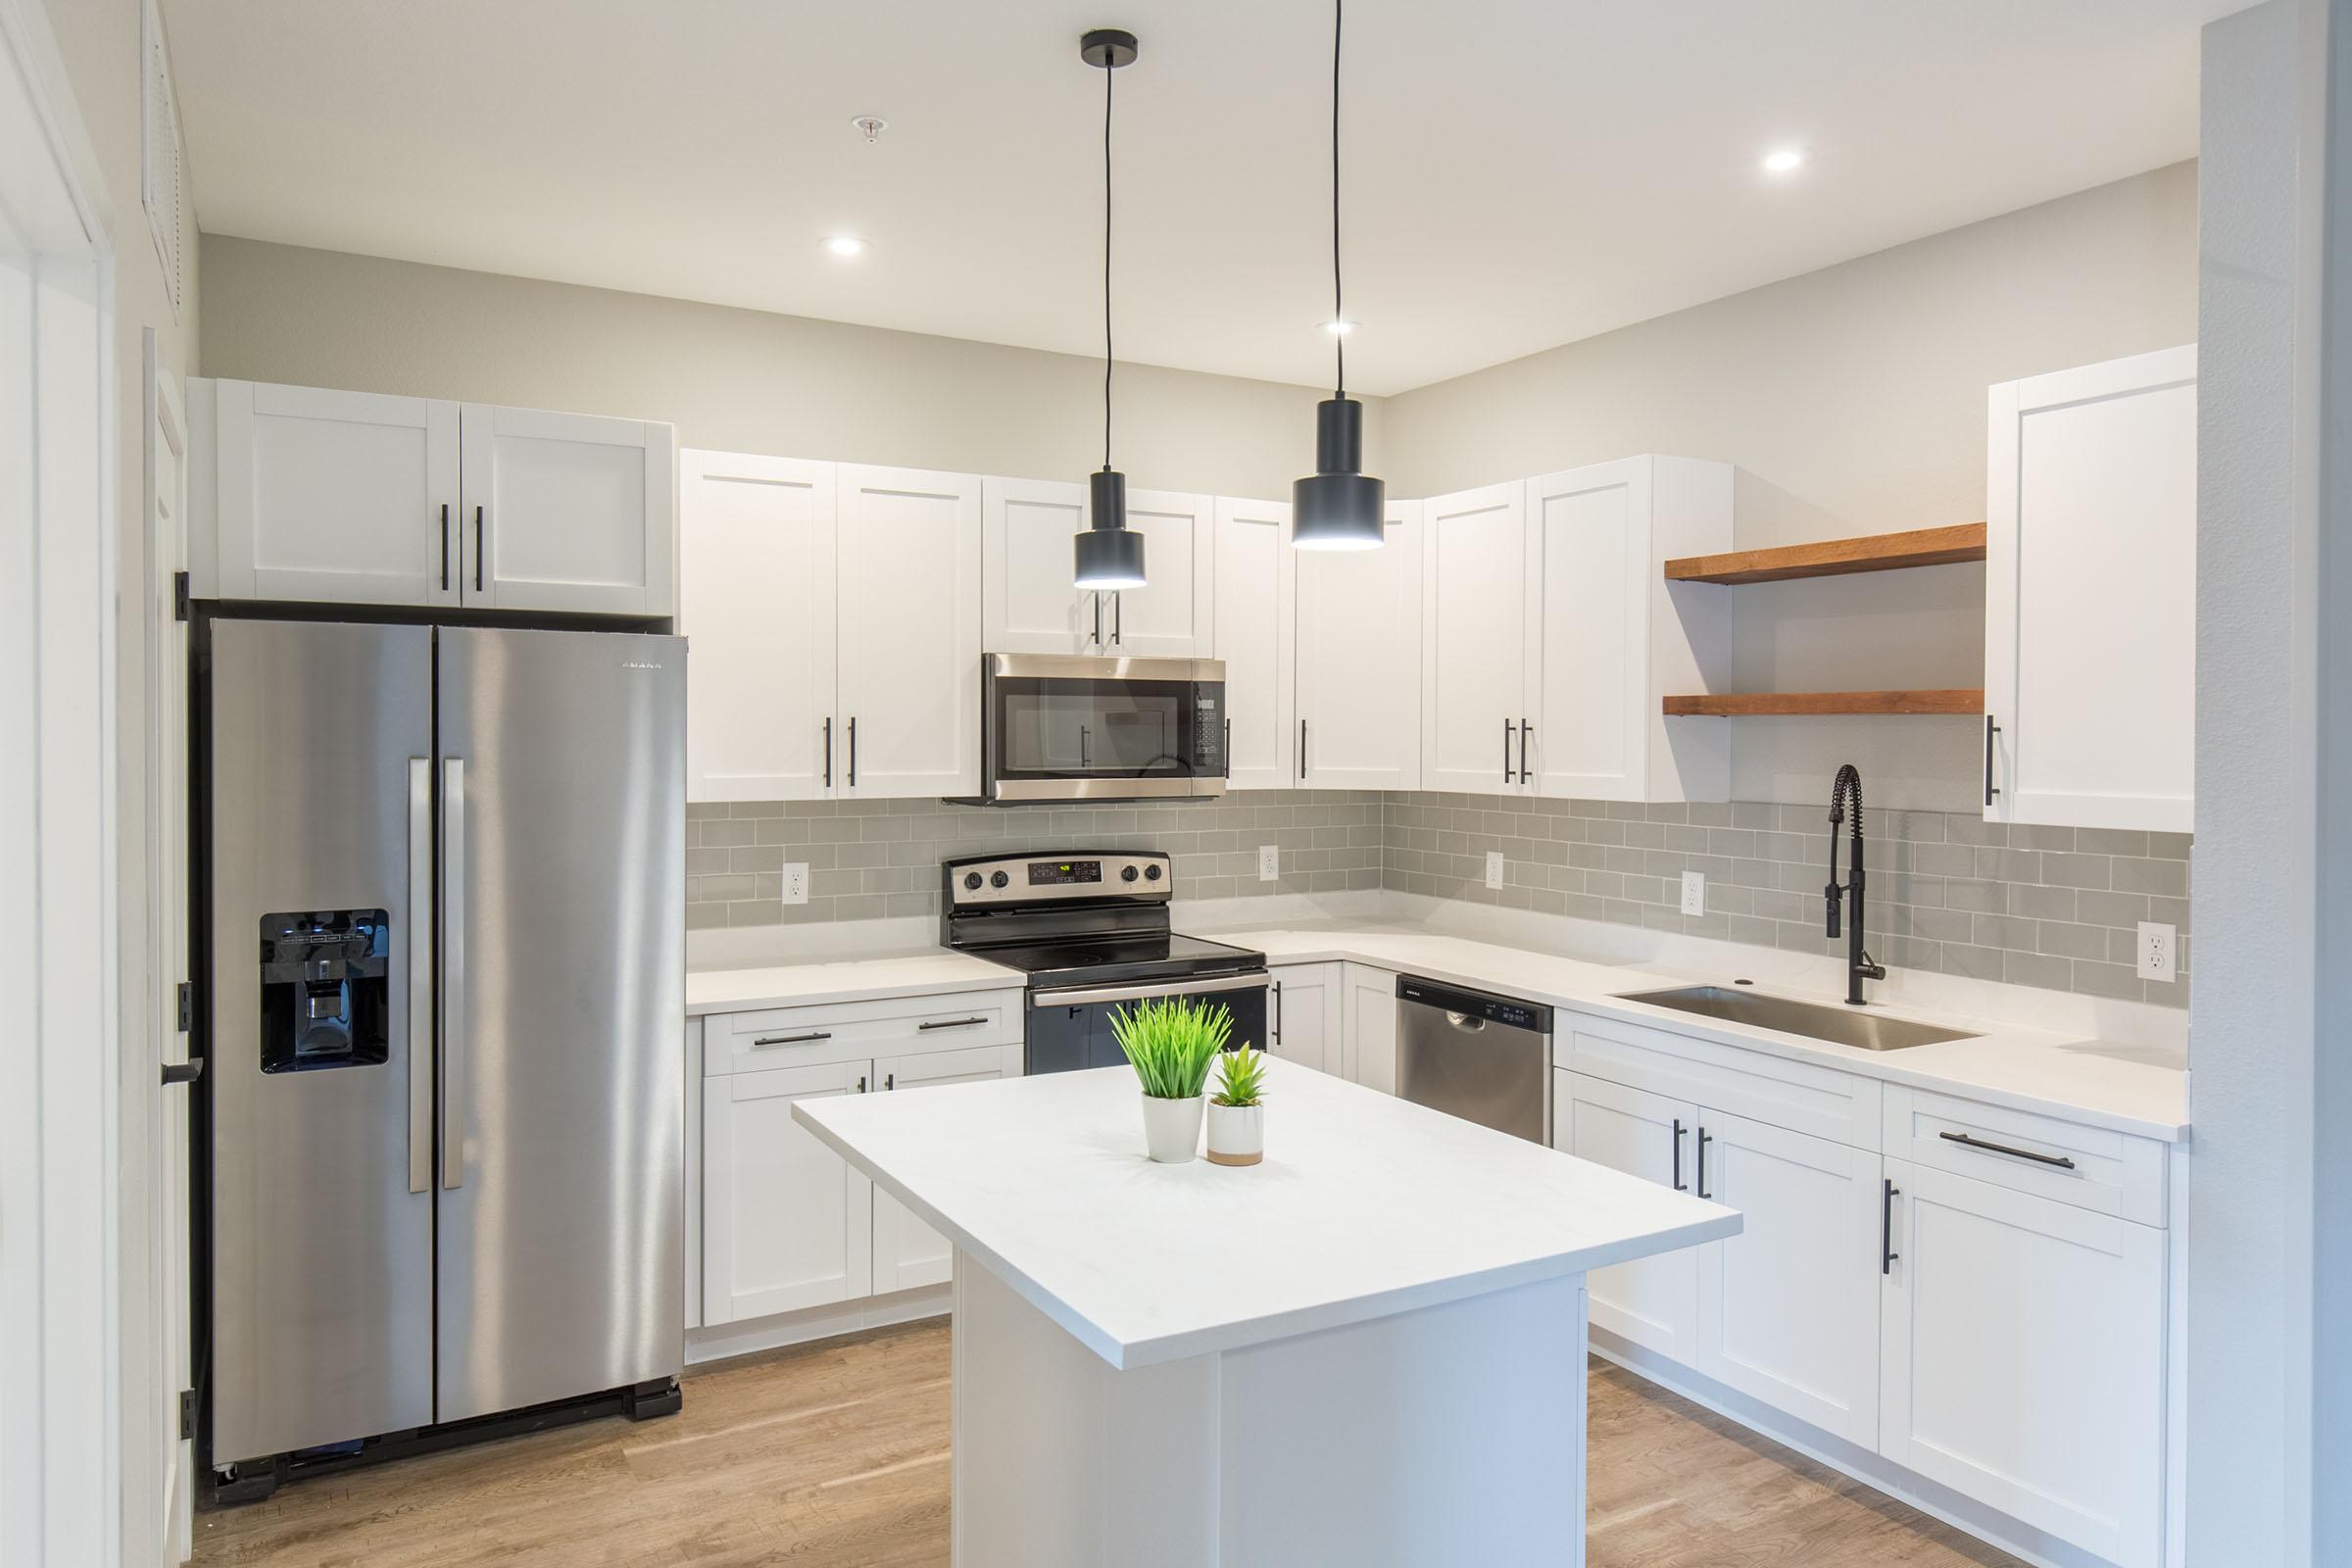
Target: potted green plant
{"x":1170,"y":1044}
{"x":1236,"y":1113}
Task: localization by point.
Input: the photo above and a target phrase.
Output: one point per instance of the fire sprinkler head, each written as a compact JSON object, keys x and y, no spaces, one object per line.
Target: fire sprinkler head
{"x":873,"y":125}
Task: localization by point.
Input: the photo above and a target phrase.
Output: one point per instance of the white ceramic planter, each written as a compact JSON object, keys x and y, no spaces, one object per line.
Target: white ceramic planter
{"x":1173,"y":1129}
{"x":1237,"y":1134}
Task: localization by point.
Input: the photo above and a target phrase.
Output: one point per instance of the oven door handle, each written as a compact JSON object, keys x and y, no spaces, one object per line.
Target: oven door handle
{"x":1083,"y":996}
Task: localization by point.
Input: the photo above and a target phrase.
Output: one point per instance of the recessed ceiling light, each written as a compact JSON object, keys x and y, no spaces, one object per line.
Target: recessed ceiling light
{"x":1340,"y":327}
{"x":1783,"y":160}
{"x":846,"y":245}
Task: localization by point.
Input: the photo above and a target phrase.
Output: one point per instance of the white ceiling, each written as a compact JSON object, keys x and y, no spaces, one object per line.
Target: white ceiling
{"x":1519,"y":173}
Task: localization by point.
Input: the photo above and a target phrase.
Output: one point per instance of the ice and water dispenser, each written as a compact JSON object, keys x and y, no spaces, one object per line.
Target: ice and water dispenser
{"x":325,"y":989}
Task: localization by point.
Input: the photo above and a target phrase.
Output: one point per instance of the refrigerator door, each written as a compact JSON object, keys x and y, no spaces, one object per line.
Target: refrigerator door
{"x":319,"y":768}
{"x":562,"y":1170}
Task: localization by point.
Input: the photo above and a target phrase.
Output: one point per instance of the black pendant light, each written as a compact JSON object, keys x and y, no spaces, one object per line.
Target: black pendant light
{"x":1338,"y":507}
{"x":1109,"y":553}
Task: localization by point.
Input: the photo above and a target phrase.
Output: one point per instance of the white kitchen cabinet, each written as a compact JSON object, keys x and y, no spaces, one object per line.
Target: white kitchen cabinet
{"x":1368,"y":1021}
{"x":1474,"y":663}
{"x":1788,"y":1309}
{"x":1029,"y":604}
{"x":566,"y":512}
{"x":1173,"y":615}
{"x":1609,"y":638}
{"x":2024,"y":1359}
{"x":757,"y":603}
{"x":1359,"y":661}
{"x":1652,"y":1301}
{"x":908,"y":1254}
{"x":2090,"y":595}
{"x":1257,"y":639}
{"x":906,"y":563}
{"x":786,"y":1223}
{"x":1305,"y":1015}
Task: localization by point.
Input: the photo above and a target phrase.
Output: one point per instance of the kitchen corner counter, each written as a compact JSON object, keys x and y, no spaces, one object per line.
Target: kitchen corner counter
{"x":793,"y":984}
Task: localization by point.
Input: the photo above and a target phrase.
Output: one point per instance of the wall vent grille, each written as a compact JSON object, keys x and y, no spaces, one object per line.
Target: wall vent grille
{"x":163,"y":187}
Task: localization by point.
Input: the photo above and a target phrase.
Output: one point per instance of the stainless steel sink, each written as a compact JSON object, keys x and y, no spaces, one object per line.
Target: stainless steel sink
{"x":1845,"y":1026}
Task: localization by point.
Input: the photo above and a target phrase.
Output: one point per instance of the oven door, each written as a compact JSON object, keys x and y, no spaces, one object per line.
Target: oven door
{"x":1070,"y":1028}
{"x":1073,"y":728}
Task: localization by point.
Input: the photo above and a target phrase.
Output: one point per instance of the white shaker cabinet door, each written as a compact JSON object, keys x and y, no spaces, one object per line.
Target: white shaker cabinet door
{"x":1473,"y":706}
{"x":907,"y":569}
{"x":334,"y":496}
{"x":908,"y":1254}
{"x":1303,"y":1016}
{"x":1028,"y":561}
{"x":786,"y":1223}
{"x":757,"y":605}
{"x":1359,"y":661}
{"x":1257,"y":639}
{"x":567,"y":511}
{"x":1173,"y":615}
{"x":1652,"y":1301}
{"x":2091,"y":596}
{"x":1369,"y":1015}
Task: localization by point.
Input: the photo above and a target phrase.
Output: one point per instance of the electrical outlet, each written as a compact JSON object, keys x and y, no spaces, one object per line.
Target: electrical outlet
{"x":1694,"y":892}
{"x":796,"y":882}
{"x":1269,"y":862}
{"x":1493,"y":869}
{"x":2156,"y":950}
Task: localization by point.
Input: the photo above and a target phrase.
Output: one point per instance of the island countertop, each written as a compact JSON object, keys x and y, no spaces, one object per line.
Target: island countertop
{"x":1365,"y":1206}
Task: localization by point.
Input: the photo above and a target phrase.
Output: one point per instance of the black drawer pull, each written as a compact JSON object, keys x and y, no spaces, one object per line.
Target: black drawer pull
{"x":2059,"y":1160}
{"x":951,"y":1023}
{"x":793,"y":1039}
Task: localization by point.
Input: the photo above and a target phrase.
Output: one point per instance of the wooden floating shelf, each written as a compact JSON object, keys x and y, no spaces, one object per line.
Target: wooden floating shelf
{"x":1737,"y":705}
{"x":1836,"y":558}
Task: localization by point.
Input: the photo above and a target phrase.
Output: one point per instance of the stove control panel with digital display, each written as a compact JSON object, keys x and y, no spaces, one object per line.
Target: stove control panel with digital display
{"x":1137,"y":876}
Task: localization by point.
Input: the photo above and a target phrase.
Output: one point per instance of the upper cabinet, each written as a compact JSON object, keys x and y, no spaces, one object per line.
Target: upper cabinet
{"x":906,"y":565}
{"x":1029,"y":604}
{"x":1257,"y":638}
{"x":2091,"y":596}
{"x":356,"y":498}
{"x":1476,"y":701}
{"x":1359,"y":661}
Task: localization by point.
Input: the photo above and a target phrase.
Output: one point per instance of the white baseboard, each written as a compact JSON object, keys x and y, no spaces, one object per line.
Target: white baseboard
{"x":717,"y":1343}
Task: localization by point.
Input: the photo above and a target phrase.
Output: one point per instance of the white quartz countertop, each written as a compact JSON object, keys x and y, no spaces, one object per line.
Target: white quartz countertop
{"x":2124,"y":1088}
{"x":793,"y":984}
{"x":1365,"y":1206}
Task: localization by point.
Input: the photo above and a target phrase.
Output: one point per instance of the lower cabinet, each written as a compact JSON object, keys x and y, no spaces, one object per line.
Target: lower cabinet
{"x":1368,"y":1015}
{"x":908,"y":1252}
{"x":1304,"y":1016}
{"x":1653,"y":1302}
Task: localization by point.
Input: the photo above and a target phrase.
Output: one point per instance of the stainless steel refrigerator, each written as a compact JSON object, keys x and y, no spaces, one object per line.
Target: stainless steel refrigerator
{"x":446,"y":991}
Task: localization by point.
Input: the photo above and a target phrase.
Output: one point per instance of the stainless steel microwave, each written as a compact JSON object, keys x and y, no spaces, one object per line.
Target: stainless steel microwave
{"x":1080,"y":727}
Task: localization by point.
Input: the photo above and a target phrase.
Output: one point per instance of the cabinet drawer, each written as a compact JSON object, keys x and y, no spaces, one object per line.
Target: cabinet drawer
{"x":2107,"y":1172}
{"x":1775,"y":1090}
{"x":842,"y":1031}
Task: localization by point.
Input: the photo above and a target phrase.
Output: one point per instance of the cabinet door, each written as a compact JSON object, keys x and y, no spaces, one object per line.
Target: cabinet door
{"x":1653,"y":1302}
{"x":1027,"y":564}
{"x":1257,"y":638}
{"x":786,"y":1223}
{"x":1359,"y":661}
{"x":1305,"y":1026}
{"x":567,"y":511}
{"x":1369,"y":1018}
{"x":2024,"y":1359}
{"x":1173,"y":615}
{"x":334,"y":496}
{"x":2090,"y":595}
{"x":1586,"y":586}
{"x":908,"y":1254}
{"x":908,"y":564}
{"x":1788,"y":1309}
{"x":1474,"y":641}
{"x":757,"y":569}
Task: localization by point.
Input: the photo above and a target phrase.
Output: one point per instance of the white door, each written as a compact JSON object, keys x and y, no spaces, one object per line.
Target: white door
{"x":1369,"y":1018}
{"x":1173,"y":615}
{"x":1303,"y":1016}
{"x":1474,"y":664}
{"x":786,"y":1223}
{"x":1788,"y":1309}
{"x":1257,"y":638}
{"x":335,"y":496}
{"x":2024,"y":1359}
{"x":567,"y":511}
{"x":1028,"y":562}
{"x":908,"y":1254}
{"x":2090,"y":595}
{"x":756,"y":563}
{"x":1652,"y":1301}
{"x":908,"y":595}
{"x":1359,"y":661}
{"x":1587,"y":593}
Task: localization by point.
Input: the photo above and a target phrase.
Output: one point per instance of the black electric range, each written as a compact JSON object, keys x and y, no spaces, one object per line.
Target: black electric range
{"x":1089,"y":931}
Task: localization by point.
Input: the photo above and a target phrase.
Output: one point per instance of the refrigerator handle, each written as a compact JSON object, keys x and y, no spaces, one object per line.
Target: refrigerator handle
{"x":453,"y":970}
{"x":420,"y":975}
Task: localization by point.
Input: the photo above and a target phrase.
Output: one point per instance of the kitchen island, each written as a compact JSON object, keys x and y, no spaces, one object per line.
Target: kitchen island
{"x":1368,"y":1350}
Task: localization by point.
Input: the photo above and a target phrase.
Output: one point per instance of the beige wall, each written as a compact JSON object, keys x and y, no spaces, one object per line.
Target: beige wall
{"x":743,"y":381}
{"x":1852,"y":400}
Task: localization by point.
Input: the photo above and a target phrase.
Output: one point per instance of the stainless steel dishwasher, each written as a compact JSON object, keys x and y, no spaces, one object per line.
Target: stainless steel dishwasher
{"x":1483,"y":1058}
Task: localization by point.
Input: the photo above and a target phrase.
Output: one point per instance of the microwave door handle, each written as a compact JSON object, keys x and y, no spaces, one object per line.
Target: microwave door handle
{"x":1085,"y":748}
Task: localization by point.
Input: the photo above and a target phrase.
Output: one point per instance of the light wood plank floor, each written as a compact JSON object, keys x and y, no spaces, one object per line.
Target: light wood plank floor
{"x":836,"y":1456}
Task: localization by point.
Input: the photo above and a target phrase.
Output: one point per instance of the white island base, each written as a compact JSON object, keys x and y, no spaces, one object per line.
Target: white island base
{"x":1454,"y":1433}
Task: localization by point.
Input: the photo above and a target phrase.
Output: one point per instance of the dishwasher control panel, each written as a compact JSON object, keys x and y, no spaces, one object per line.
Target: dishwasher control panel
{"x":1476,"y":1005}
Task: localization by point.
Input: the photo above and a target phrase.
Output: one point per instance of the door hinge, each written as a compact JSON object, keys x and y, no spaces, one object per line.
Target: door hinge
{"x":188,"y":1414}
{"x":188,"y":1005}
{"x":179,"y":596}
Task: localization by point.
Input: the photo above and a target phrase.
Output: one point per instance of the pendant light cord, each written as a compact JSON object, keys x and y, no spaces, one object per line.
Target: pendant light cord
{"x":1108,"y":74}
{"x":1339,"y":18}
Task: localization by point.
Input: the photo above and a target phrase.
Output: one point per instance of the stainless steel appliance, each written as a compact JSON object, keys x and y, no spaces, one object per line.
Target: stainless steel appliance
{"x":1076,"y":727}
{"x":445,"y":872}
{"x":1090,"y":929}
{"x":1483,"y":1058}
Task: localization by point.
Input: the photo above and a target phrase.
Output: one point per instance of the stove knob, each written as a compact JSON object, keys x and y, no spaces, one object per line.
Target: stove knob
{"x":998,"y":879}
{"x":1152,"y":873}
{"x":972,"y":881}
{"x":1128,"y":875}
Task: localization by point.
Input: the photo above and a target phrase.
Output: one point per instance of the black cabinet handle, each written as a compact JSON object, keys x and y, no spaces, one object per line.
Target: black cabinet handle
{"x":793,"y":1039}
{"x":1990,"y":730}
{"x":1887,"y":1253}
{"x":1277,"y":1030}
{"x":2059,"y":1160}
{"x":1229,"y":748}
{"x":1303,"y":748}
{"x":1119,"y":618}
{"x":1704,"y":1139}
{"x":828,"y":751}
{"x":861,"y":1083}
{"x":445,"y":546}
{"x":184,"y":1072}
{"x":890,"y":1081}
{"x":951,"y":1023}
{"x":1526,"y":732}
{"x":1508,"y":728}
{"x":1098,"y":620}
{"x":853,"y":754}
{"x":477,"y":550}
{"x":1679,"y":1184}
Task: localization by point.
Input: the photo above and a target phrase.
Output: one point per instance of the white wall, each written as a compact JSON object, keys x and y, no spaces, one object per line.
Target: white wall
{"x":1853,"y":401}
